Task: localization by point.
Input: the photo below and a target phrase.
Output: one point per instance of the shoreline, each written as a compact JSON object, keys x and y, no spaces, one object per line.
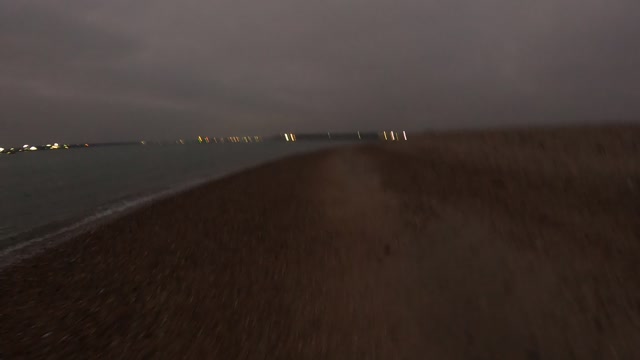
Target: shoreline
{"x":38,"y":240}
{"x":34,"y":241}
{"x":500,"y":245}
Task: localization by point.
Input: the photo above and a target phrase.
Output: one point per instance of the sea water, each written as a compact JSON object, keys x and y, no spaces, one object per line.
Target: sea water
{"x":45,"y":193}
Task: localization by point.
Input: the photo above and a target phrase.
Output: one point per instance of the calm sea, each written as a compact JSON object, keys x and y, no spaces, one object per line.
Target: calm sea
{"x":49,"y":192}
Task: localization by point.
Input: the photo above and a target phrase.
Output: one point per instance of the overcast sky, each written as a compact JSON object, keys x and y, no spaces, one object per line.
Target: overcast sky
{"x":83,"y":70}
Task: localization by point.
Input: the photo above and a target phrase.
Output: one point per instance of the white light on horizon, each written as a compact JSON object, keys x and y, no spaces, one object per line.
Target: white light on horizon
{"x":33,"y":148}
{"x":286,"y":136}
{"x":392,"y":137}
{"x":1,"y":149}
{"x":404,"y":133}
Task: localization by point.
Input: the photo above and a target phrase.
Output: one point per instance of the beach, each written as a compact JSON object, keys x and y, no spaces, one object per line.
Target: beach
{"x":495,"y":244}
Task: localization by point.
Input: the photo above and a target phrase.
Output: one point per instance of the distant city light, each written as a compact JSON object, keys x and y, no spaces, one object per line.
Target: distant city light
{"x":404,"y":133}
{"x":289,"y":137}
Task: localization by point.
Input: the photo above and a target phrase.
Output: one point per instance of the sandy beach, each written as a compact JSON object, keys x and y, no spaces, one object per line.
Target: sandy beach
{"x":520,"y":244}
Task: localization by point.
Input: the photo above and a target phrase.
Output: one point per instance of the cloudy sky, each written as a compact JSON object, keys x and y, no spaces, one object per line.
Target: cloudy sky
{"x":95,"y":70}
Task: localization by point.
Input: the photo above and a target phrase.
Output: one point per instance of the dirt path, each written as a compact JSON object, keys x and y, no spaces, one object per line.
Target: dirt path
{"x":367,"y":313}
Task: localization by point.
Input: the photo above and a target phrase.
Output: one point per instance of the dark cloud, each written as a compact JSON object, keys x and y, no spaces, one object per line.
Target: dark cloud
{"x":97,"y":70}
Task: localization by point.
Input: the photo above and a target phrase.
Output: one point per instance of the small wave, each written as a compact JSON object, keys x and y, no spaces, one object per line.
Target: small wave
{"x":32,"y":246}
{"x":8,"y":233}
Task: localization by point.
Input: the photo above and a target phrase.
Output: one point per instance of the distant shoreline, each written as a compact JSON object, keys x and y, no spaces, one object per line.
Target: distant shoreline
{"x":329,"y":137}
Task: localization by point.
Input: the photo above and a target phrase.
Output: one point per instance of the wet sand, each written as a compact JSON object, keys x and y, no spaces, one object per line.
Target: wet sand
{"x":485,"y":245}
